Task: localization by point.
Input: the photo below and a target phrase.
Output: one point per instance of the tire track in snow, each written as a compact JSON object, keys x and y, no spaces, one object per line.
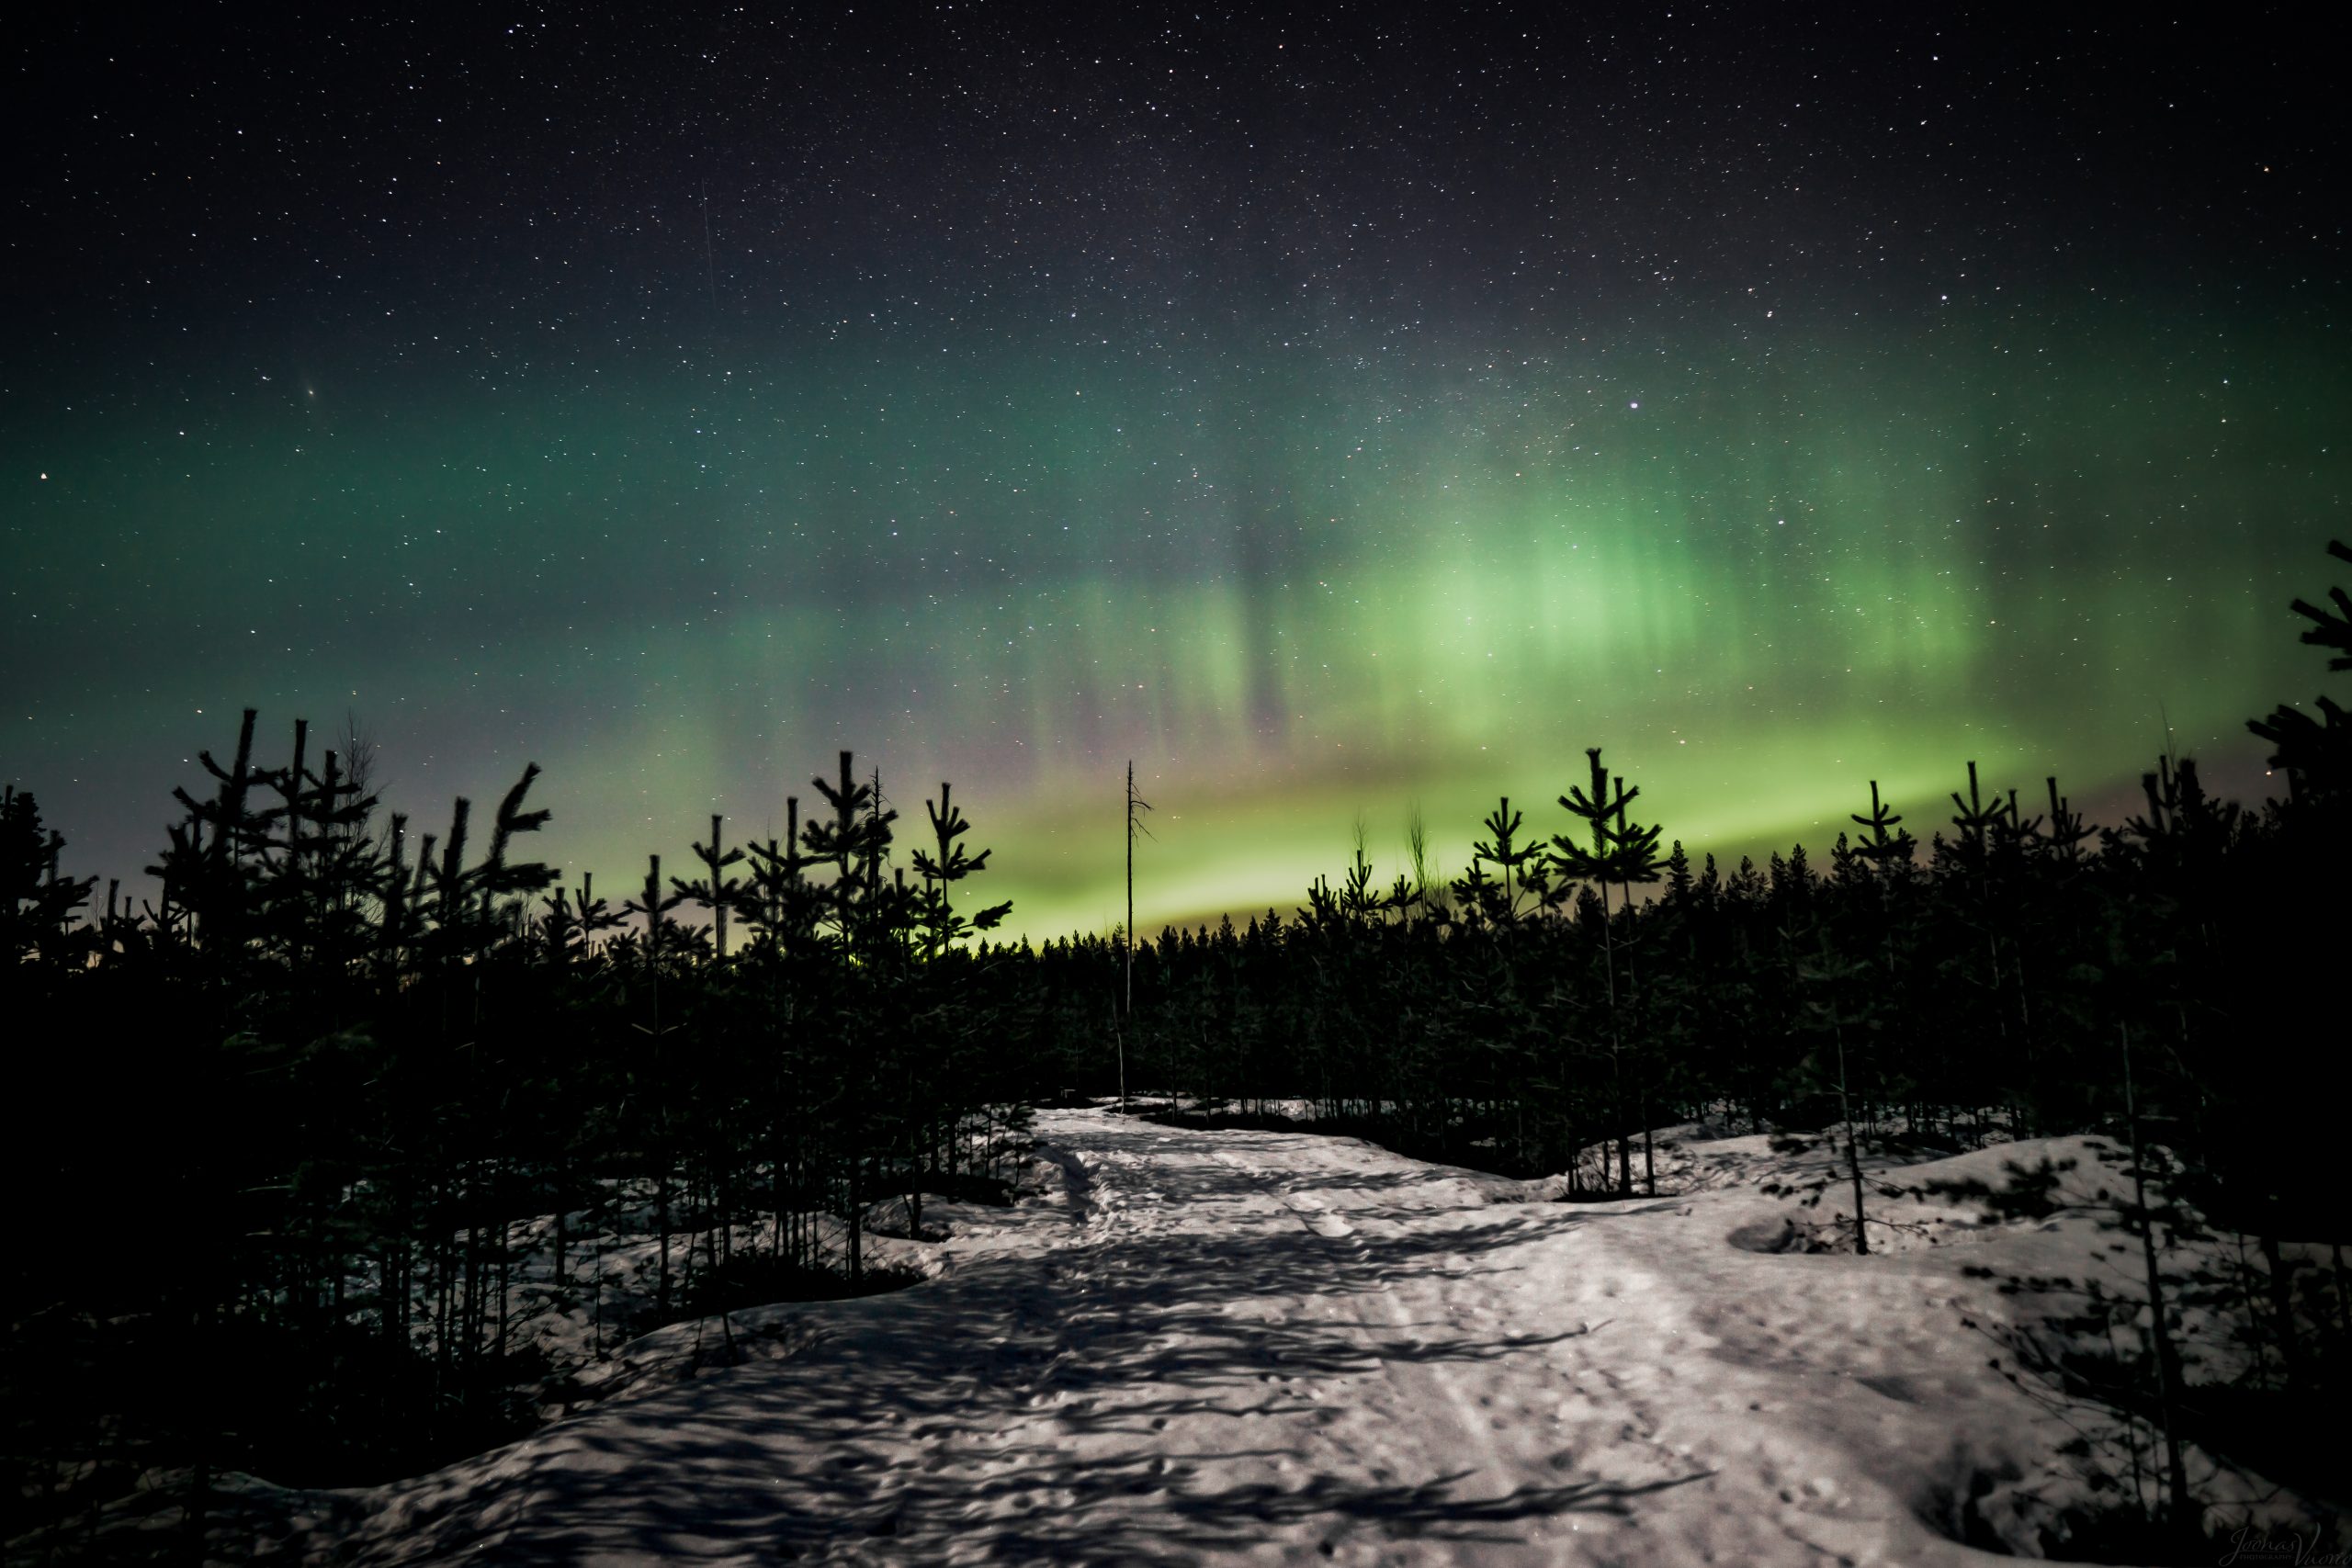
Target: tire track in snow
{"x":1313,"y":1211}
{"x":1151,"y":1366}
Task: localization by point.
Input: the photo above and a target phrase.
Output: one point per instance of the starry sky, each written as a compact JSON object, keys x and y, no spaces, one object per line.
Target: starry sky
{"x":1341,"y":414}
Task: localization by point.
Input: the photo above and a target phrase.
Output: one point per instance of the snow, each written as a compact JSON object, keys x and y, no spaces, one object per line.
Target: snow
{"x":1257,"y":1346}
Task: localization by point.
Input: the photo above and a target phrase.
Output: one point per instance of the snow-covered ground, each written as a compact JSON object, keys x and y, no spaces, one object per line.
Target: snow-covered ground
{"x":1269,"y":1347}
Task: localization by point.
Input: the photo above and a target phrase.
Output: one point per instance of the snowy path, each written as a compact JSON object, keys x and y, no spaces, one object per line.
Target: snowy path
{"x":1251,"y":1346}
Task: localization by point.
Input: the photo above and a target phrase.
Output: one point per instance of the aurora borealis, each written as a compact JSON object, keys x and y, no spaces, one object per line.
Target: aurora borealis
{"x":1338,"y":416}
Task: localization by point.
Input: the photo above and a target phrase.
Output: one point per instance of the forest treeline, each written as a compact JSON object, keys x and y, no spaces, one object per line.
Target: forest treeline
{"x":1579,"y":983}
{"x":286,"y":1125}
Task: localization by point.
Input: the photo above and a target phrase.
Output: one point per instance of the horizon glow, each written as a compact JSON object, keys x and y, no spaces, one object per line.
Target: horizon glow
{"x":1768,"y":583}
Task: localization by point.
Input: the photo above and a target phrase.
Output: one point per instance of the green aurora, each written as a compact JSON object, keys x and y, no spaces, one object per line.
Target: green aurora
{"x":1408,"y":571}
{"x":1340,"y":415}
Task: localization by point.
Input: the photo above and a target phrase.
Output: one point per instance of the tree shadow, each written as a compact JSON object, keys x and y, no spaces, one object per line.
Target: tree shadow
{"x":913,"y":1417}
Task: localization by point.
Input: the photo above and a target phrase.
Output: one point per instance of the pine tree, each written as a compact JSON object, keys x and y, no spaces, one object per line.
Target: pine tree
{"x":655,"y":907}
{"x":1626,"y":853}
{"x":715,"y":890}
{"x":36,"y":905}
{"x":856,"y":841}
{"x":1885,"y":852}
{"x":941,"y":870}
{"x":2316,"y":753}
{"x":1521,"y":864}
{"x":1680,"y":884}
{"x":1837,"y":982}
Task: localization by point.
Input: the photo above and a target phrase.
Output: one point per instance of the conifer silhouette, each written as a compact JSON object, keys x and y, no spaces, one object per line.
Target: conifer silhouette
{"x":36,"y":905}
{"x":1626,"y":853}
{"x":2316,"y":753}
{"x":942,"y":870}
{"x":1521,"y":864}
{"x":715,"y":890}
{"x":1883,"y":850}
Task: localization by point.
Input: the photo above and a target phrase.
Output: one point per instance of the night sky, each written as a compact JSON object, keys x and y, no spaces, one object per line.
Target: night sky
{"x":1335,"y":415}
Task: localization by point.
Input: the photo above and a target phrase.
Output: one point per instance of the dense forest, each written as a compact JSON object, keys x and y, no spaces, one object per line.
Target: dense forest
{"x":285,"y":1126}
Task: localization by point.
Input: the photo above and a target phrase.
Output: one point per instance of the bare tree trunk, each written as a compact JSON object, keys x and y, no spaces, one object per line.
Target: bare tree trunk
{"x":857,"y":1220}
{"x":1616,"y":1057}
{"x":1853,"y":1150}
